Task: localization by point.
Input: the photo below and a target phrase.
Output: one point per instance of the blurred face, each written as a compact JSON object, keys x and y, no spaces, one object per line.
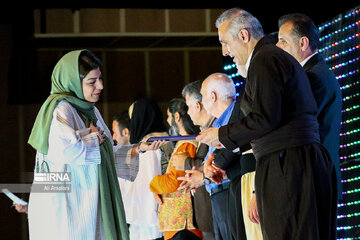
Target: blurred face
{"x":169,"y":117}
{"x":92,"y":85}
{"x":120,"y":136}
{"x":287,"y":41}
{"x":174,"y":129}
{"x":207,"y":100}
{"x":231,"y":46}
{"x":193,"y":110}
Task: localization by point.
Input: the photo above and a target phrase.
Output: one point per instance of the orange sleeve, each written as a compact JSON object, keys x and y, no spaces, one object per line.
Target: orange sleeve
{"x":168,"y":183}
{"x":187,"y":147}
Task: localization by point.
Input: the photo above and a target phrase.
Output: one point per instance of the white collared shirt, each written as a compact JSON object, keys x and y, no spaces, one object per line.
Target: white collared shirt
{"x":247,"y":64}
{"x":307,"y":59}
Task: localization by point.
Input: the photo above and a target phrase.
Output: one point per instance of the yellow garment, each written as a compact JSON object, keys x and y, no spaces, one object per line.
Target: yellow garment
{"x":176,"y":212}
{"x":253,"y":230}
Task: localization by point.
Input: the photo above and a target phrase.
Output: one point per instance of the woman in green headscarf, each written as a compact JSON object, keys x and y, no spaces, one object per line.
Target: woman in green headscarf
{"x":70,"y":135}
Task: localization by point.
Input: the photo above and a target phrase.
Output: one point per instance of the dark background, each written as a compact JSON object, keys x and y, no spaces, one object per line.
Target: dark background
{"x":25,"y":71}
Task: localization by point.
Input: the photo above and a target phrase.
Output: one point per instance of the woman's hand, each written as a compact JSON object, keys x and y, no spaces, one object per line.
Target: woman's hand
{"x":144,"y":146}
{"x":21,"y":208}
{"x":100,"y":133}
{"x":158,"y":199}
{"x":178,"y":160}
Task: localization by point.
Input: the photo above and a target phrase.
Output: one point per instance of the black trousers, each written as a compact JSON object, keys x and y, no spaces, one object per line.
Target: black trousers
{"x":185,"y":235}
{"x":235,"y":213}
{"x":296,"y":194}
{"x":219,"y":203}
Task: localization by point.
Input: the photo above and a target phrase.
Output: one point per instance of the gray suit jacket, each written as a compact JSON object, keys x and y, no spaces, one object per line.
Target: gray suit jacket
{"x":201,"y":198}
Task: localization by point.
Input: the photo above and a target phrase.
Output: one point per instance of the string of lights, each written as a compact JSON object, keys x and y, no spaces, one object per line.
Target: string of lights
{"x":350,"y":120}
{"x":350,"y":97}
{"x":350,"y":180}
{"x":348,"y":238}
{"x":343,"y":64}
{"x":350,"y":168}
{"x":339,"y":45}
{"x":332,"y":34}
{"x":342,"y":53}
{"x":348,"y":204}
{"x":339,"y":18}
{"x":345,"y":75}
{"x":351,"y":191}
{"x":350,"y":132}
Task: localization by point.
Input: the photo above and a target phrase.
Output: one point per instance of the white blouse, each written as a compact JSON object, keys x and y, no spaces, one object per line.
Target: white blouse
{"x":72,"y":148}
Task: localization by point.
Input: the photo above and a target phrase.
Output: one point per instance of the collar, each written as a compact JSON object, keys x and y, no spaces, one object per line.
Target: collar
{"x":248,"y":60}
{"x":225,"y":116}
{"x":208,"y":124}
{"x":307,"y":59}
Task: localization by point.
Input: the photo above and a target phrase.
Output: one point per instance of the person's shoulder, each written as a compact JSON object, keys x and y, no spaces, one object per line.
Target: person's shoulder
{"x":320,"y":73}
{"x":319,"y":66}
{"x":97,"y":112}
{"x":270,"y":51}
{"x":64,"y":111}
{"x":185,"y":145}
{"x":268,"y":54}
{"x":64,"y":106}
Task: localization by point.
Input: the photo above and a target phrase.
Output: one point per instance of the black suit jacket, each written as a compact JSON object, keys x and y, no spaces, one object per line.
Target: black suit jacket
{"x":226,"y":159}
{"x":278,"y":104}
{"x":327,"y":93}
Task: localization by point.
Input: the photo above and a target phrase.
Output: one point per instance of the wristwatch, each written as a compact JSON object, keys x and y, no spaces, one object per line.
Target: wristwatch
{"x":206,"y":180}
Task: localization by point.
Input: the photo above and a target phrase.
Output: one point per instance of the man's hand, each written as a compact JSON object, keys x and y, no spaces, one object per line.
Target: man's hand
{"x":252,"y":210}
{"x":210,"y":137}
{"x":209,"y":169}
{"x":212,"y":172}
{"x":192,"y":180}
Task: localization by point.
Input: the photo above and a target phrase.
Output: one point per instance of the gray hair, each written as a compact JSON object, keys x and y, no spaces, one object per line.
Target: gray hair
{"x":239,"y":19}
{"x":193,"y":90}
{"x":222,"y":85}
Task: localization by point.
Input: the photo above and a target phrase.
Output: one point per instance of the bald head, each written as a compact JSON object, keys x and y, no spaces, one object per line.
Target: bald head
{"x":221,"y":84}
{"x":218,"y":92}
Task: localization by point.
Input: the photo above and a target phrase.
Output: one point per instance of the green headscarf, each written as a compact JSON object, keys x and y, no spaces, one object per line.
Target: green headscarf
{"x":66,"y":85}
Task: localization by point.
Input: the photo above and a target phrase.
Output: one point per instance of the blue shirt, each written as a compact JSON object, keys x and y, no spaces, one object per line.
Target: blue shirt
{"x":221,"y":121}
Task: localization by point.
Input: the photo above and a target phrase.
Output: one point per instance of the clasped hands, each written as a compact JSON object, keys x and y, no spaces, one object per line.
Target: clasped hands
{"x":99,"y":133}
{"x":194,"y":178}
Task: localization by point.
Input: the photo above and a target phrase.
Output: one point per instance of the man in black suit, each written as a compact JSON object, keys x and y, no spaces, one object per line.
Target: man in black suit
{"x":299,"y":36}
{"x":295,"y":178}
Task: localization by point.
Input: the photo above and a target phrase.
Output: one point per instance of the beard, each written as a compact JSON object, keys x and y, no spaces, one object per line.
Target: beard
{"x":174,"y":129}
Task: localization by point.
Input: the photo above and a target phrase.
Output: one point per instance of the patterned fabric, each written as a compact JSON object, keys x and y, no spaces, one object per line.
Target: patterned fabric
{"x":176,"y":212}
{"x":178,"y":203}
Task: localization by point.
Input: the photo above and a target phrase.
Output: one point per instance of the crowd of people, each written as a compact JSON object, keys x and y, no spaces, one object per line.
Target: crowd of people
{"x":264,"y":165}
